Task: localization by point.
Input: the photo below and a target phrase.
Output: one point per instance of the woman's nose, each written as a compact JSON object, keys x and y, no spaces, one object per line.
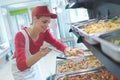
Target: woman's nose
{"x":46,"y":25}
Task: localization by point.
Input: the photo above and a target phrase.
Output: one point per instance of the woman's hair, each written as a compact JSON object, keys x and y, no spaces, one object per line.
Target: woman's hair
{"x":37,"y":16}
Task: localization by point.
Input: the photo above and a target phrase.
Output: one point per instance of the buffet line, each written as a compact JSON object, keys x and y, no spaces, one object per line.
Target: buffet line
{"x":103,"y":32}
{"x":87,"y":66}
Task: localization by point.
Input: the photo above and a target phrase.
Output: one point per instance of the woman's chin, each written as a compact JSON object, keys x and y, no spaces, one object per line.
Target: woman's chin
{"x":43,"y":31}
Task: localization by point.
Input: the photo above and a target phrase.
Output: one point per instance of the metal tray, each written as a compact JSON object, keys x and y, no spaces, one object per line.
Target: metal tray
{"x":77,"y":65}
{"x":86,"y":53}
{"x":110,"y":49}
{"x":83,"y":53}
{"x":89,"y":37}
{"x":100,"y":73}
{"x":83,"y":22}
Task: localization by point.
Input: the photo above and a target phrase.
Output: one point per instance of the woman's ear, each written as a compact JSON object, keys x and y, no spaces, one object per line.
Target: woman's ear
{"x":34,"y":19}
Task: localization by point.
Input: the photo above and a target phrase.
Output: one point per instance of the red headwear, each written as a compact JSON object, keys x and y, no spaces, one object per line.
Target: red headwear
{"x":43,"y":11}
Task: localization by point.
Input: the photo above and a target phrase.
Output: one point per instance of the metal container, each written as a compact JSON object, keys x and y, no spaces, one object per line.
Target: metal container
{"x":88,"y":53}
{"x":109,"y":48}
{"x":88,"y":37}
{"x":77,"y":65}
{"x":100,"y":73}
{"x":94,"y":31}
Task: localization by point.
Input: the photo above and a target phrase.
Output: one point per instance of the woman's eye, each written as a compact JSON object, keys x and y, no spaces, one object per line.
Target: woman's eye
{"x":45,"y":21}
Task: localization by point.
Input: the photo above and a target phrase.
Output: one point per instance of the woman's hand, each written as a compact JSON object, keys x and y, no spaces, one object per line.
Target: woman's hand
{"x":34,"y":58}
{"x":73,"y":52}
{"x":44,"y":50}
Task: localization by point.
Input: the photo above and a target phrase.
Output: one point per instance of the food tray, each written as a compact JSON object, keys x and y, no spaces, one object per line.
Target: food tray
{"x":93,"y":28}
{"x":98,"y":74}
{"x":109,"y":48}
{"x":88,"y":53}
{"x":74,"y":53}
{"x":77,"y":65}
{"x":81,"y":25}
{"x":88,"y":37}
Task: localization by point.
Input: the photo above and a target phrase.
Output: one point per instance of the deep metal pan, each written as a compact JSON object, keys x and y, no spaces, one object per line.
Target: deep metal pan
{"x":109,"y":48}
{"x":84,"y":64}
{"x":98,"y":73}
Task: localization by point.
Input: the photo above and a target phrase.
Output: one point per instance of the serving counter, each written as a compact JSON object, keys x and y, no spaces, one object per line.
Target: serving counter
{"x":110,"y":64}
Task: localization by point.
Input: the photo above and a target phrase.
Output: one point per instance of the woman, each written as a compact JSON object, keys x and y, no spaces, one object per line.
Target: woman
{"x":28,"y":45}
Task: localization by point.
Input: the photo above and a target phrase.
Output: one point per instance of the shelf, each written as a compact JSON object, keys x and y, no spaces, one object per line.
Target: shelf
{"x":110,"y":64}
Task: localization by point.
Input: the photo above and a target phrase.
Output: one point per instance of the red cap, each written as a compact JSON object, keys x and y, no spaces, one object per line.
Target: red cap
{"x":42,"y":11}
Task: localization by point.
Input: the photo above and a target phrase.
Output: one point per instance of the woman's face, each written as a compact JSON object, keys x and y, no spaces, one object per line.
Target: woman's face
{"x":42,"y":23}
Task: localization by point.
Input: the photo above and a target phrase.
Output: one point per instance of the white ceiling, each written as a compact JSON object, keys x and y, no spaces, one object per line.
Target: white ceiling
{"x":6,"y":2}
{"x":9,"y":2}
{"x":15,"y":4}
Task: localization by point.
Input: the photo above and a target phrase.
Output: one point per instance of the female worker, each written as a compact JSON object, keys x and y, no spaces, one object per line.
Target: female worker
{"x":28,"y":45}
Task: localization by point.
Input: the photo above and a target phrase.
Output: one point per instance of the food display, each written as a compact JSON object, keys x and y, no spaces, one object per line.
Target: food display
{"x":78,"y":64}
{"x":97,"y":28}
{"x":84,"y":69}
{"x":100,"y":27}
{"x":74,"y":52}
{"x":87,"y":53}
{"x":100,"y":74}
{"x":81,"y":51}
{"x":78,"y":52}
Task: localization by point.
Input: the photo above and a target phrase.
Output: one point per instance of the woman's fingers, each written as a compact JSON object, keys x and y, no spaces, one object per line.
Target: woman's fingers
{"x":44,"y":50}
{"x":74,"y":52}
